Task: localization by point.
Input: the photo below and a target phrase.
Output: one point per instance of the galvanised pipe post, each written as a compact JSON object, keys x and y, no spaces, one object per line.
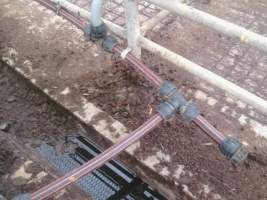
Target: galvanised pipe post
{"x":132,"y":26}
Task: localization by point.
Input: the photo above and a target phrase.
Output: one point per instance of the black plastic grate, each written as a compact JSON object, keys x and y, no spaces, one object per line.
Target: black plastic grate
{"x":112,"y":181}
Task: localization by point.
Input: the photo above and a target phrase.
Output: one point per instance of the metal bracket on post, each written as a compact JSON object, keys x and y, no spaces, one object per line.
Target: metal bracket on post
{"x":133,"y":26}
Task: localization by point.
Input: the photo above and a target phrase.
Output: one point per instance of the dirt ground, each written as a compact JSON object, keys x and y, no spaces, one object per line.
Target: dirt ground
{"x":28,"y":118}
{"x":129,"y":99}
{"x":31,"y":116}
{"x":120,"y":92}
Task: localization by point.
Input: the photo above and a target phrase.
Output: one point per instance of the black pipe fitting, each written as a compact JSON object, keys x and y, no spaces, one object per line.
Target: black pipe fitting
{"x":189,"y":111}
{"x":109,"y":43}
{"x":22,"y":197}
{"x":95,"y":32}
{"x":233,"y":149}
{"x":167,"y":89}
{"x":176,"y":101}
{"x":168,"y":109}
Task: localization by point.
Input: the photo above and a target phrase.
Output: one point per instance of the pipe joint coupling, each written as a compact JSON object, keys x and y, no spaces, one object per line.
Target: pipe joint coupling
{"x":167,"y":89}
{"x":189,"y":111}
{"x":109,"y":43}
{"x":168,"y":109}
{"x":22,"y":197}
{"x":176,"y":100}
{"x":95,"y":32}
{"x":233,"y":149}
{"x":170,"y":106}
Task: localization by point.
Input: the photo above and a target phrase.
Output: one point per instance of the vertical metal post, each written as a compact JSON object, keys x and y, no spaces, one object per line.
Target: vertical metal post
{"x":133,"y":26}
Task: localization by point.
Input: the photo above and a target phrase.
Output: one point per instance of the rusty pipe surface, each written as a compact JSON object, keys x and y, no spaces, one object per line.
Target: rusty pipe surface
{"x":98,"y":161}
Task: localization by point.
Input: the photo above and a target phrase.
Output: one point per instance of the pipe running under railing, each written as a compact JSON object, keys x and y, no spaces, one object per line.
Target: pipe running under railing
{"x":181,"y":62}
{"x":157,"y":81}
{"x":133,"y":137}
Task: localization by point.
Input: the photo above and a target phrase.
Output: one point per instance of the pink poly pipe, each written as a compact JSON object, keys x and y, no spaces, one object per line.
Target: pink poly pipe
{"x":97,"y":161}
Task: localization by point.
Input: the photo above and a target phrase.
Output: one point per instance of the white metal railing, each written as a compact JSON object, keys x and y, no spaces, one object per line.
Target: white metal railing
{"x":195,"y":69}
{"x":214,"y":23}
{"x":149,"y":24}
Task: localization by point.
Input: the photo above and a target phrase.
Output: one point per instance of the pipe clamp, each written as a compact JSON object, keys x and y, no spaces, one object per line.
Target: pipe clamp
{"x":125,"y":52}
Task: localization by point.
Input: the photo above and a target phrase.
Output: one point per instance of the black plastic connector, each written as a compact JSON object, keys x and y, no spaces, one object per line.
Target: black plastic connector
{"x":189,"y":111}
{"x":109,"y":43}
{"x":168,"y":108}
{"x":233,"y":149}
{"x":22,"y":197}
{"x":95,"y":32}
{"x":167,"y":90}
{"x":175,"y":101}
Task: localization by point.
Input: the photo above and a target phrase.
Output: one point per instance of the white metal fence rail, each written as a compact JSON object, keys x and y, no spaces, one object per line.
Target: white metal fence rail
{"x":136,"y":40}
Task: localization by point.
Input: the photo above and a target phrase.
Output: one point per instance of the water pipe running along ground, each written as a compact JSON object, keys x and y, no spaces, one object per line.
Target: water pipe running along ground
{"x":94,"y":163}
{"x":228,"y":146}
{"x":174,"y":102}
